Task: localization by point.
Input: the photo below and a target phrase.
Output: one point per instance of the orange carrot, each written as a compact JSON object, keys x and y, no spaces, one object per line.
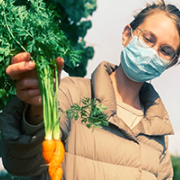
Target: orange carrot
{"x":55,"y":172}
{"x":58,"y":174}
{"x":59,"y":152}
{"x":48,"y":147}
{"x":53,"y":153}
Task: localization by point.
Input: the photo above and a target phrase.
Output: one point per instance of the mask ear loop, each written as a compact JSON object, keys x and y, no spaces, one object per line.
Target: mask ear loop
{"x":131,"y":32}
{"x":176,"y":64}
{"x":178,"y":61}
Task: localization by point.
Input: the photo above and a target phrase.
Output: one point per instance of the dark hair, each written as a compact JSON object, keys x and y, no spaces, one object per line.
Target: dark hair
{"x":170,"y":10}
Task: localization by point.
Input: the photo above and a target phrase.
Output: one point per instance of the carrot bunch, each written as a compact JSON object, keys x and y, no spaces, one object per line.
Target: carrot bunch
{"x":52,"y":148}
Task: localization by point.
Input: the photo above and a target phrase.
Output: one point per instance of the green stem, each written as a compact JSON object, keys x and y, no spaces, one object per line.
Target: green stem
{"x":56,"y":131}
{"x":10,"y":32}
{"x":49,"y":96}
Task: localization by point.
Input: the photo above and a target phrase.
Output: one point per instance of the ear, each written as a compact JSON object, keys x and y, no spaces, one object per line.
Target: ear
{"x":126,"y":34}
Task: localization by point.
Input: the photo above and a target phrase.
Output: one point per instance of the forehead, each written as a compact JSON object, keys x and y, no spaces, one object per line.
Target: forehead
{"x":163,"y":27}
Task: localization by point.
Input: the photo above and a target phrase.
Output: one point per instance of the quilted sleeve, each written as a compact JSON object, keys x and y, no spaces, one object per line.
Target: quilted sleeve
{"x":21,"y":153}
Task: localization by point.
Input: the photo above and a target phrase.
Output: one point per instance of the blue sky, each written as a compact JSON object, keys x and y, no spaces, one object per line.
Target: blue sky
{"x":108,"y":22}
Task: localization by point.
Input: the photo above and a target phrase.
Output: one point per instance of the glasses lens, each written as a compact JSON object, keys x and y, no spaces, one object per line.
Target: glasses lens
{"x":167,"y":52}
{"x":148,"y":39}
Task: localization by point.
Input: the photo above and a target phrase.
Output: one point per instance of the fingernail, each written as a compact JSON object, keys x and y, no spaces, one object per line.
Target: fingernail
{"x":27,"y":56}
{"x":31,"y":64}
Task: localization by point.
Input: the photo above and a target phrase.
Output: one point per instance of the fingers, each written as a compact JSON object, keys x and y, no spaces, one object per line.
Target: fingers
{"x":31,"y":96}
{"x":60,"y":66}
{"x":27,"y":88}
{"x":20,"y":63}
{"x":27,"y":83}
{"x":35,"y":100}
{"x":60,"y":63}
{"x":24,"y":56}
{"x":22,"y":69}
{"x":16,"y":70}
{"x":26,"y":95}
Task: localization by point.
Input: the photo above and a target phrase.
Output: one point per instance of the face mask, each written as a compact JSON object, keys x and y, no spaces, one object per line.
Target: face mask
{"x":141,"y":64}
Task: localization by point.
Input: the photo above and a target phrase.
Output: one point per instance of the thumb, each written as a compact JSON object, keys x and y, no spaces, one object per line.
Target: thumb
{"x":60,"y":64}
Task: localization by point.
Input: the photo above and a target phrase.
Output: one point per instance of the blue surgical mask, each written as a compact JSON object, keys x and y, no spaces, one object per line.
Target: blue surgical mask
{"x":141,"y":64}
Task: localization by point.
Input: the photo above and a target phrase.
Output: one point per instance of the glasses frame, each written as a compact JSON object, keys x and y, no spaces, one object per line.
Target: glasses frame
{"x":142,"y":30}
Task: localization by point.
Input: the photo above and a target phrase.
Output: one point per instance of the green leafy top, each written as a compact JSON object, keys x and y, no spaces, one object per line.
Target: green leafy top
{"x":90,"y":113}
{"x":31,"y":28}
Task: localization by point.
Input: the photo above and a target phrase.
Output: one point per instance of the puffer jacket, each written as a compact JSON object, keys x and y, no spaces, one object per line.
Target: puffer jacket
{"x":115,"y":152}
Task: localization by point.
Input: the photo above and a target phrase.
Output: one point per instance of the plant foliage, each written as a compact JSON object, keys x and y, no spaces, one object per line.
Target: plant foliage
{"x":90,"y":113}
{"x":71,"y":17}
{"x":31,"y":28}
{"x":176,"y":167}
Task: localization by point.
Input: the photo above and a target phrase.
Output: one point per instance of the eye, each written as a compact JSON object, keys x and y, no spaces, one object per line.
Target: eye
{"x":164,"y":52}
{"x":148,"y":38}
{"x":167,"y":51}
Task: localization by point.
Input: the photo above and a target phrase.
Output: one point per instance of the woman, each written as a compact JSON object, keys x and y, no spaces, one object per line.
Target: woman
{"x":134,"y":145}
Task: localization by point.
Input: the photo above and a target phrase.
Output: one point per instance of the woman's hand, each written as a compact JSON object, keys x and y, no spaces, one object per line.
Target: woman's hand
{"x":22,"y":69}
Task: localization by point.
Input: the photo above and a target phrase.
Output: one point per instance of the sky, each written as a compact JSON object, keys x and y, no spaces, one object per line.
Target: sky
{"x":105,"y":35}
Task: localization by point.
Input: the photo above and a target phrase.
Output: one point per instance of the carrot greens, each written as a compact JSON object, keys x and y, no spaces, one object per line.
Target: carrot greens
{"x":33,"y":28}
{"x":91,"y":113}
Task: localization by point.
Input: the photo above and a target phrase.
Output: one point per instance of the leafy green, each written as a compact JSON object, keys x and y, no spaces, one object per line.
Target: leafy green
{"x":176,"y":166}
{"x":31,"y":28}
{"x":73,"y":17}
{"x":4,"y":98}
{"x":90,"y":113}
{"x":74,"y":26}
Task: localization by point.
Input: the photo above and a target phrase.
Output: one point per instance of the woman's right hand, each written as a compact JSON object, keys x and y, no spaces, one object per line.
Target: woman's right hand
{"x":22,"y":69}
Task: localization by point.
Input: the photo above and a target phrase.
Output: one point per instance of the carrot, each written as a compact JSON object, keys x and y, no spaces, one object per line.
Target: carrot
{"x":53,"y":153}
{"x":58,"y":174}
{"x":48,"y":147}
{"x":59,"y":152}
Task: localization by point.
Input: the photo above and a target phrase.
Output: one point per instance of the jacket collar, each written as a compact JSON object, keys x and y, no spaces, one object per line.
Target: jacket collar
{"x":155,"y":121}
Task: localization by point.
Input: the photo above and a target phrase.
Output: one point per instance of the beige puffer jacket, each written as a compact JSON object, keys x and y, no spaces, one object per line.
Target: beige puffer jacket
{"x":113,"y":153}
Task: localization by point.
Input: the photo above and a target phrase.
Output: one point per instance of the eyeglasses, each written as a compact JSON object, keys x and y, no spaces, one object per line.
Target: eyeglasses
{"x":147,"y":39}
